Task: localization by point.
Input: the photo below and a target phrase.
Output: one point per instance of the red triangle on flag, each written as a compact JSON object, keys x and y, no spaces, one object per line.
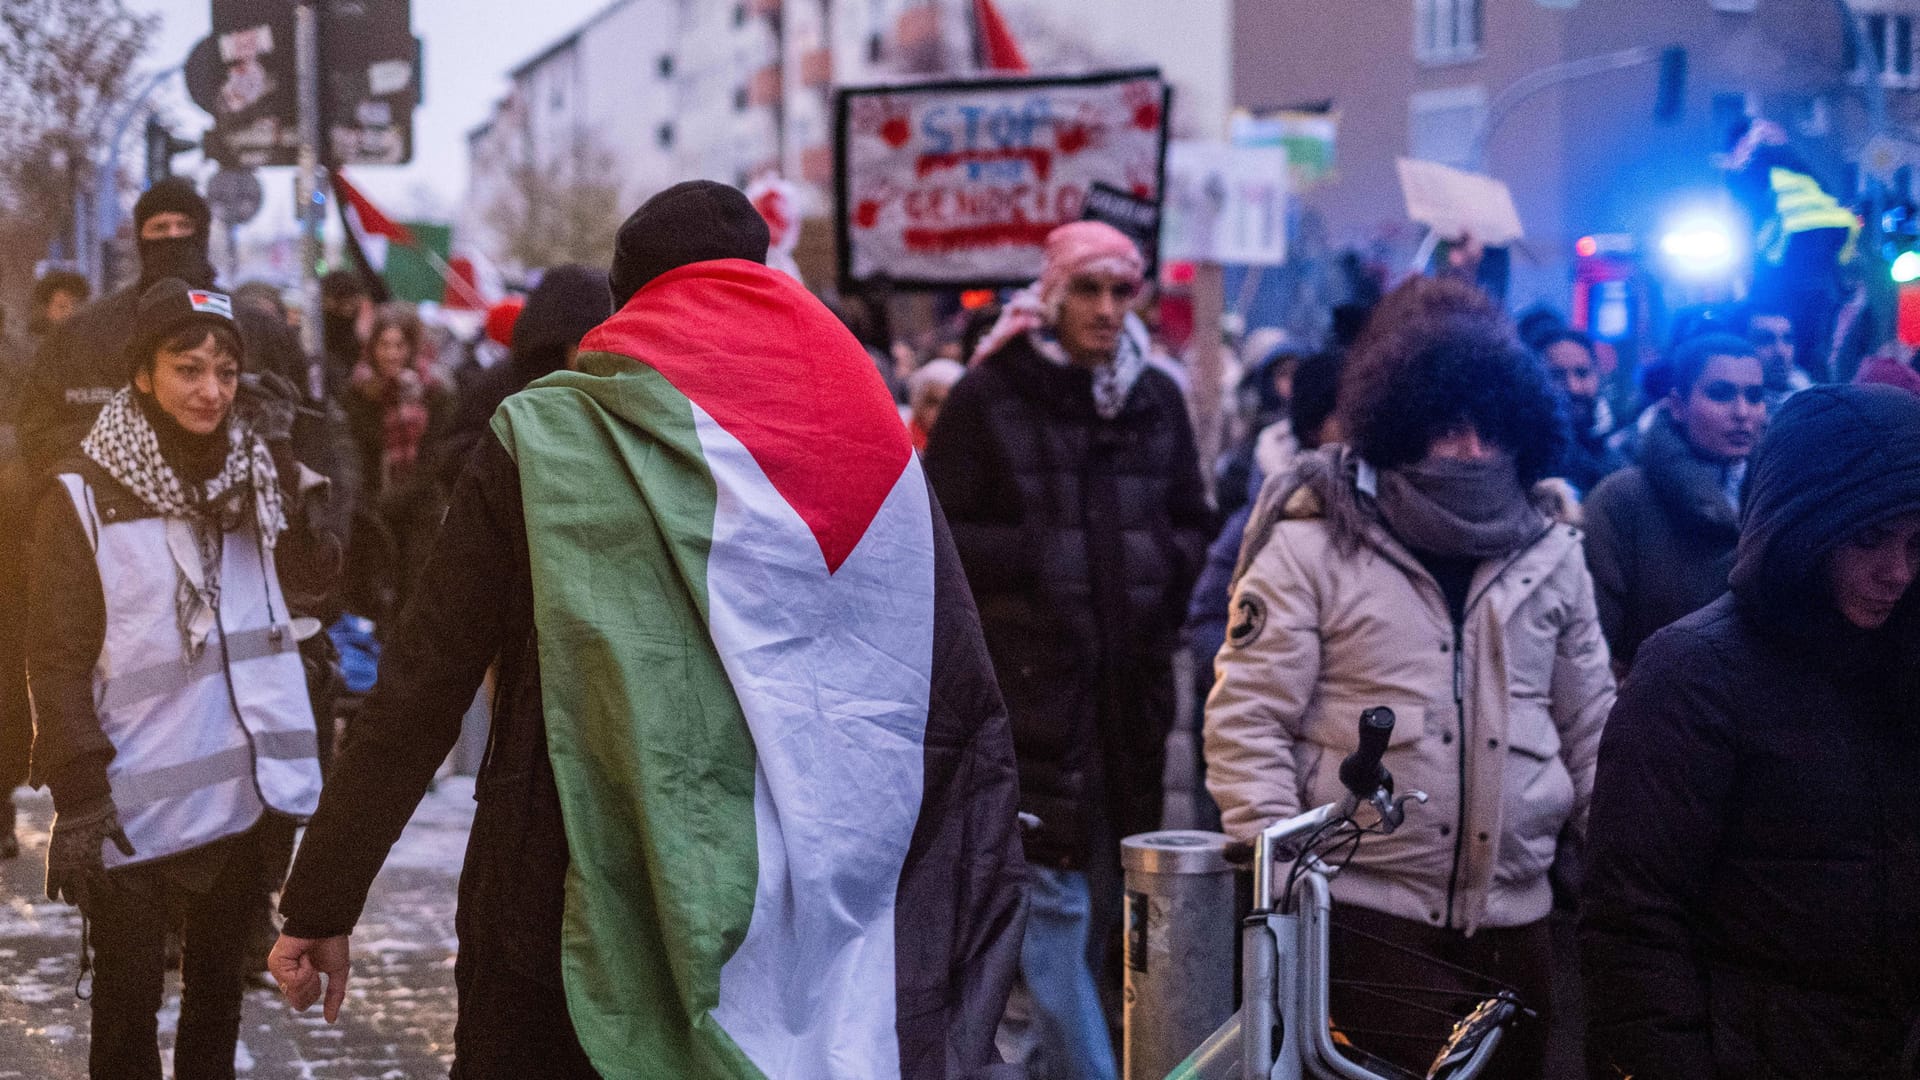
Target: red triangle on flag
{"x":999,"y":50}
{"x":372,"y":221}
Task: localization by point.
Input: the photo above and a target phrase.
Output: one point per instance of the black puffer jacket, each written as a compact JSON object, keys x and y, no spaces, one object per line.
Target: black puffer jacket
{"x":1660,"y":539}
{"x":1752,"y":903}
{"x":1081,"y":538}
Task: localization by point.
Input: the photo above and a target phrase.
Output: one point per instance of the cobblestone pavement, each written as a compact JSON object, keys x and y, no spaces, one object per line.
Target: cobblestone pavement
{"x":398,"y":1020}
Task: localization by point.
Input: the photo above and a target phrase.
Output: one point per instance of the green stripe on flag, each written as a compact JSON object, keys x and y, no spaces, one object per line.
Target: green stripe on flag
{"x":650,"y":749}
{"x":410,"y":274}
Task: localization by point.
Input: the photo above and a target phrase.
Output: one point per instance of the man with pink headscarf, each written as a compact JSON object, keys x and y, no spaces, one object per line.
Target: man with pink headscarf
{"x":1067,"y":469}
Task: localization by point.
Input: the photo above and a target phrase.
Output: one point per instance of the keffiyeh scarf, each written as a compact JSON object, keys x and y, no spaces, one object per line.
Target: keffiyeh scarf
{"x":1025,"y":313}
{"x":125,"y":444}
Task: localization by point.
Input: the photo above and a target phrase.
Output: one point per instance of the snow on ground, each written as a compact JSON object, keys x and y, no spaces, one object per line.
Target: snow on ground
{"x":398,"y":1022}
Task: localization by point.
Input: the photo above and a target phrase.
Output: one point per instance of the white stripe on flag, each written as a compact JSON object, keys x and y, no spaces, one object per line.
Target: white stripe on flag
{"x":833,"y":673}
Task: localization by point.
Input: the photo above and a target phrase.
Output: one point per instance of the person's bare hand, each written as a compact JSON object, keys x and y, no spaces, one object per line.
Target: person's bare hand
{"x":298,"y":964}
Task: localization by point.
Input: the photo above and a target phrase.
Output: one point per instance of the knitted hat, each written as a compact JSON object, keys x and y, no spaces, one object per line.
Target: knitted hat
{"x":168,"y":305}
{"x":175,"y":194}
{"x":690,"y":222}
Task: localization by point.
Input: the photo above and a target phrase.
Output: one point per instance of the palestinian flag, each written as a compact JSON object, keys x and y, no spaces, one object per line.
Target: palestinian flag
{"x":783,"y":763}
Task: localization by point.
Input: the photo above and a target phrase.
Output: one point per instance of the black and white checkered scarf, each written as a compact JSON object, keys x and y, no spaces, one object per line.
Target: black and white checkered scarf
{"x":124,"y":443}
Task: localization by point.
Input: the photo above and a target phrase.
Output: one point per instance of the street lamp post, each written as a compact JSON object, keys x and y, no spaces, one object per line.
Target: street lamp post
{"x":1546,"y":78}
{"x":105,"y":211}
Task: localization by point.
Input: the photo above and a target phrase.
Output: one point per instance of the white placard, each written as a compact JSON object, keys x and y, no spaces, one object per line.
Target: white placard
{"x":1457,"y":204}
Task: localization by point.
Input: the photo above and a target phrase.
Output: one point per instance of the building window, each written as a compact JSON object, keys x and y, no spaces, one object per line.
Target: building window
{"x":1890,"y":38}
{"x":1447,"y":31}
{"x":664,"y":136}
{"x":666,"y":65}
{"x":739,"y":15}
{"x":875,"y":48}
{"x":739,"y":99}
{"x":1442,"y":125}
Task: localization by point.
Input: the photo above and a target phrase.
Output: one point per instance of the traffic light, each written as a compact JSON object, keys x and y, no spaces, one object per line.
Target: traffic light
{"x":161,"y":148}
{"x":1670,"y":100}
{"x":1900,"y":242}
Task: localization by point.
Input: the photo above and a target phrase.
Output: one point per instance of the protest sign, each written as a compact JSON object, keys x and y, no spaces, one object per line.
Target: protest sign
{"x":956,"y":184}
{"x":1226,"y":204}
{"x":1457,"y":204}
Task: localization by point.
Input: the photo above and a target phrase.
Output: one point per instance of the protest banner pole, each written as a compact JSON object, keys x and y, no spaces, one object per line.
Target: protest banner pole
{"x":306,"y":46}
{"x":1205,"y":366}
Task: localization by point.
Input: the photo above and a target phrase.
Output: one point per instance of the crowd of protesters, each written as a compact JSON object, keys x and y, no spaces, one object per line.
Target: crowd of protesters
{"x":1651,"y":647}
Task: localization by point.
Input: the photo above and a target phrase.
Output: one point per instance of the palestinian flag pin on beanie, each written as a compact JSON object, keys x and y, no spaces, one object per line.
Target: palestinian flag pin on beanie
{"x":170,"y":304}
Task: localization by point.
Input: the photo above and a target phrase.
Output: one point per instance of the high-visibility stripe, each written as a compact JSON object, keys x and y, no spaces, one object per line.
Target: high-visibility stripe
{"x":1804,"y":206}
{"x":233,"y":763}
{"x":287,"y":745}
{"x":158,"y":680}
{"x":186,"y":778}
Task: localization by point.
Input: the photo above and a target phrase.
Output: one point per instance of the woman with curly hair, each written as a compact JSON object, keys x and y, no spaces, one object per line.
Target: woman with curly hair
{"x":1419,"y":567}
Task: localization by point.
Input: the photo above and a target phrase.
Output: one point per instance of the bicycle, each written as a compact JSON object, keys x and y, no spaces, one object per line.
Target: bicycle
{"x":1283,"y":1030}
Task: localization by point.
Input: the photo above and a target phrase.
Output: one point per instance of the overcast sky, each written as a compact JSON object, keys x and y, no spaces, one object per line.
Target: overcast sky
{"x":470,"y":45}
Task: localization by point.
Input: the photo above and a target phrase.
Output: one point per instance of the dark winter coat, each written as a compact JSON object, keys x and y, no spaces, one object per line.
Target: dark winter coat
{"x":475,"y":605}
{"x":1081,"y":538}
{"x":1752,"y":904}
{"x":1660,"y":539}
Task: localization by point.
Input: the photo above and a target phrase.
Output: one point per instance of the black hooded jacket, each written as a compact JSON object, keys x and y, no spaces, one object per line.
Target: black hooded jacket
{"x":1752,"y":904}
{"x":569,"y":301}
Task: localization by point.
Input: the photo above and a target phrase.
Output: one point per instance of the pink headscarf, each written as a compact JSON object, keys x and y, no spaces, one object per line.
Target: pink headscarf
{"x":1073,"y":249}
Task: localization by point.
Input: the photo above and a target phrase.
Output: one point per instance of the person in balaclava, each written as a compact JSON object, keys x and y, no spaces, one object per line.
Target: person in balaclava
{"x":171,"y":717}
{"x":1752,"y":898}
{"x":749,"y":807}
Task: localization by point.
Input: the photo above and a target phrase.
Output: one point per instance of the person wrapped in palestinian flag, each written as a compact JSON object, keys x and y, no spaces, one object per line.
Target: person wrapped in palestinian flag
{"x":748,"y":809}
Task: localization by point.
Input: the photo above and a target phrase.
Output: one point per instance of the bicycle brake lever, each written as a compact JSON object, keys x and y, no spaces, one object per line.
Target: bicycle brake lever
{"x":1393,"y":809}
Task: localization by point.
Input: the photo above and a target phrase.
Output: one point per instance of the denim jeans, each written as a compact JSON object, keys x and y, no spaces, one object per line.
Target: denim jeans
{"x":1070,"y":1028}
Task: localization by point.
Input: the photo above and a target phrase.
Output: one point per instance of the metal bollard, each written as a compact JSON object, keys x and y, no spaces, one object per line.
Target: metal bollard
{"x":1179,"y":947}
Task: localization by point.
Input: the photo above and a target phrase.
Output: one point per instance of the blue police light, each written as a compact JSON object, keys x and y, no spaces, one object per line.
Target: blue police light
{"x":1906,"y":267}
{"x":1700,"y":246}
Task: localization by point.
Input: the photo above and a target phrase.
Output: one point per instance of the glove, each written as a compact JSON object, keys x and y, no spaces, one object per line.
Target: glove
{"x":272,"y":405}
{"x":75,"y":867}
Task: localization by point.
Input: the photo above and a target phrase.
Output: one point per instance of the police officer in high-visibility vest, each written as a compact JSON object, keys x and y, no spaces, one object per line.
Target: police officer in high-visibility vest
{"x":171,"y":717}
{"x":1803,"y":235}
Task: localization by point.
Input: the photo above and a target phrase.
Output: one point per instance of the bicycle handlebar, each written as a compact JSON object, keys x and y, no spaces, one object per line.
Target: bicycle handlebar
{"x":1361,"y":773}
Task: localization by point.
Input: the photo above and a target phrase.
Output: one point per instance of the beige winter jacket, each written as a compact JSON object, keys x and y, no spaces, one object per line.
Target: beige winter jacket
{"x":1499,"y":722}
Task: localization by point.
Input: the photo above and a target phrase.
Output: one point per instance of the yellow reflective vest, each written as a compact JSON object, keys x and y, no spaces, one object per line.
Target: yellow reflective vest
{"x":1801,"y":205}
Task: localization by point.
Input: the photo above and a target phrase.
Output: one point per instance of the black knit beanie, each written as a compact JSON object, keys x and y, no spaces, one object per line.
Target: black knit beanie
{"x":175,"y":194}
{"x":168,"y":305}
{"x":690,"y":222}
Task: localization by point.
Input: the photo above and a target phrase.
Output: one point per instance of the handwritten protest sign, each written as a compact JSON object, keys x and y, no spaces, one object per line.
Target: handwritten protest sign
{"x":1457,"y":204}
{"x":956,"y":184}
